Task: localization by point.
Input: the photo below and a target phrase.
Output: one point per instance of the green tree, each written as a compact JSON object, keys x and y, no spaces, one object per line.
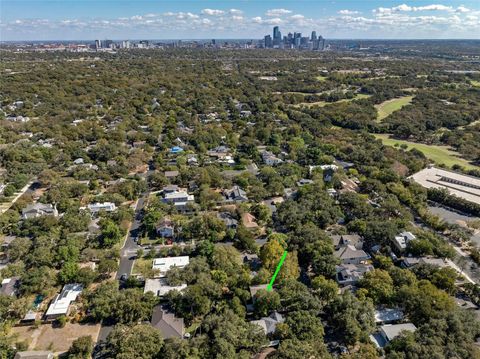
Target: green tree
{"x":379,"y":286}
{"x":140,"y":341}
{"x":265,"y":302}
{"x":81,"y":348}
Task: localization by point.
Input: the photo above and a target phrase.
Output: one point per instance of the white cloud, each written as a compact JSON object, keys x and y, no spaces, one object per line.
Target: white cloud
{"x":235,"y":12}
{"x":212,"y":12}
{"x":401,"y":21}
{"x":277,"y":12}
{"x":462,"y":8}
{"x":407,"y":8}
{"x":348,"y":12}
{"x":297,"y":17}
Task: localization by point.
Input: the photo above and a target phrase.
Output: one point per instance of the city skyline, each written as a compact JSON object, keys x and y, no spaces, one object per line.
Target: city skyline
{"x":85,"y":20}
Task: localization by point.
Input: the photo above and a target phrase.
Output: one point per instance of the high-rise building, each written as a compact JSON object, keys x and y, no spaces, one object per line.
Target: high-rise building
{"x":98,"y":44}
{"x":108,"y":43}
{"x":314,"y":36}
{"x":277,"y":36}
{"x":268,"y":42}
{"x":125,"y":44}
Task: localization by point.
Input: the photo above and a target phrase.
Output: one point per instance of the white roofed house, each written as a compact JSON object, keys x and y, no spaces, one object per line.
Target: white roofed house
{"x":62,"y":302}
{"x":160,"y":287}
{"x":163,"y":265}
{"x":270,"y":159}
{"x":401,"y":240}
{"x":104,"y":206}
{"x":179,"y":199}
{"x":38,"y":210}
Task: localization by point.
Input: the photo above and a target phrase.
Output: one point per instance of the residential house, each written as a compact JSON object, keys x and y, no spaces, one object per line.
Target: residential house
{"x":160,"y":287}
{"x":105,"y":206}
{"x":401,"y":240}
{"x":273,"y":202}
{"x":227,"y":218}
{"x":179,"y":199}
{"x":249,"y":221}
{"x":351,"y":255}
{"x":169,"y":325}
{"x":255,"y":288}
{"x":304,"y":182}
{"x":350,"y":274}
{"x":219,"y":152}
{"x":269,"y":324}
{"x":192,"y":160}
{"x":343,"y":240}
{"x":171,"y":174}
{"x":61,"y":303}
{"x":236,"y":194}
{"x":34,"y":354}
{"x":166,"y":228}
{"x":79,"y":161}
{"x":270,"y":159}
{"x":413,"y":261}
{"x":171,"y":188}
{"x":9,"y":286}
{"x":163,"y":265}
{"x":5,"y":242}
{"x":388,"y":315}
{"x":328,"y":172}
{"x":38,"y":210}
{"x":390,"y":331}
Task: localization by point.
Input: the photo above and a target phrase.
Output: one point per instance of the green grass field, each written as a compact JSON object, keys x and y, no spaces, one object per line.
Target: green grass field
{"x":439,"y":154}
{"x":321,"y":78}
{"x":324,"y":103}
{"x":386,"y":108}
{"x":475,"y":83}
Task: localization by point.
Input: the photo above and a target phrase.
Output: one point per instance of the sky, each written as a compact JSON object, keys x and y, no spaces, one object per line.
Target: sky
{"x":234,"y":19}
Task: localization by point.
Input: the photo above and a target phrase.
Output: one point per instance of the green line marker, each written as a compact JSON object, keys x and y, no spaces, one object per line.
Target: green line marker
{"x":269,"y":286}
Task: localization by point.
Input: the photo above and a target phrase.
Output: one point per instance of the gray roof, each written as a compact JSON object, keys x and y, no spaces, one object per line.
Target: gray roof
{"x":350,"y":252}
{"x":169,"y":325}
{"x":34,"y":355}
{"x":345,"y":239}
{"x":391,"y":331}
{"x":269,"y":323}
{"x":9,"y":286}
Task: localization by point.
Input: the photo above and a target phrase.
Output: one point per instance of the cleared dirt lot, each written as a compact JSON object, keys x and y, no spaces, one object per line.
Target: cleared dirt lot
{"x":45,"y":337}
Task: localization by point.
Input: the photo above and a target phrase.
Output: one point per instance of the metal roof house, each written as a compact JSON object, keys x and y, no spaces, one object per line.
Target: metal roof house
{"x":164,"y":264}
{"x":61,"y":303}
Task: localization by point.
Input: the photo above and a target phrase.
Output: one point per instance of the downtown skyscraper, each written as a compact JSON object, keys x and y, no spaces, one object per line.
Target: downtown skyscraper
{"x":293,"y":41}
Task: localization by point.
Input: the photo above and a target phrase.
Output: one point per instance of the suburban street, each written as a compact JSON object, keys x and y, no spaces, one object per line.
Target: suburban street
{"x":129,"y":250}
{"x":127,"y":257}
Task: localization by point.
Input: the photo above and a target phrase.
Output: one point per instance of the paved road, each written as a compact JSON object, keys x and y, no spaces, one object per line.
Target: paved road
{"x":127,"y":253}
{"x":127,"y":258}
{"x":28,"y":188}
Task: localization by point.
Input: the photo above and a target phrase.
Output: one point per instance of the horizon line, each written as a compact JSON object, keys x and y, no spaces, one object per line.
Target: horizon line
{"x":246,"y":39}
